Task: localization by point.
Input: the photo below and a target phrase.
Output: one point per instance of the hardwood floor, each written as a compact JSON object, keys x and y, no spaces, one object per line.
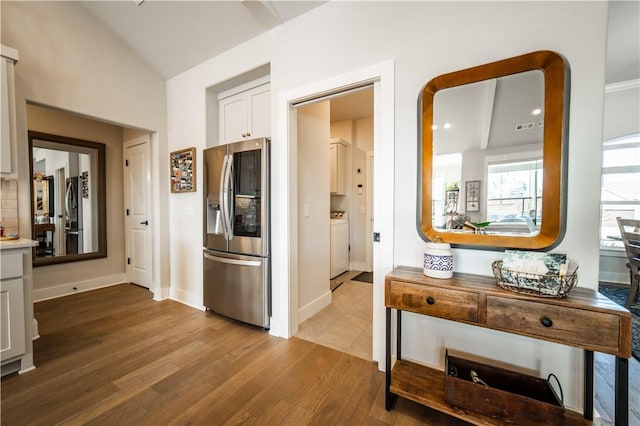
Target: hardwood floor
{"x":605,"y":385}
{"x":116,"y":357}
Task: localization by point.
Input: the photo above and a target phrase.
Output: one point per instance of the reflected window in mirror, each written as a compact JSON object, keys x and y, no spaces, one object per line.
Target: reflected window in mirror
{"x":514,"y":195}
{"x":500,"y":130}
{"x":68,"y":196}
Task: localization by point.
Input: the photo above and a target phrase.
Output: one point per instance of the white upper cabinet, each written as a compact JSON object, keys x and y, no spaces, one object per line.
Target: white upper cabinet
{"x":246,"y":115}
{"x":8,"y":111}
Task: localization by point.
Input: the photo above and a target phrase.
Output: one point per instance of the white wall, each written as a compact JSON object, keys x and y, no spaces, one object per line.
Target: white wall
{"x":71,"y":62}
{"x":313,"y":193}
{"x":425,"y":39}
{"x":621,"y":109}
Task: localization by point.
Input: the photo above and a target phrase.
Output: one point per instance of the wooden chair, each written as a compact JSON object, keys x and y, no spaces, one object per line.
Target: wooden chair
{"x":630,"y":233}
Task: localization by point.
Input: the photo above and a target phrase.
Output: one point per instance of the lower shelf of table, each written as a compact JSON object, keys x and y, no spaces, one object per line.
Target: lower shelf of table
{"x":425,"y":386}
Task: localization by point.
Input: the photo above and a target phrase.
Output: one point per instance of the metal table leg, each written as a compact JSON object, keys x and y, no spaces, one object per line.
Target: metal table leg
{"x":388,"y":396}
{"x":588,"y":385}
{"x":622,"y":392}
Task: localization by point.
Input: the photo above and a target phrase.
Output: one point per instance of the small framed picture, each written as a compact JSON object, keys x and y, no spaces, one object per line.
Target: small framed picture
{"x":182,"y":166}
{"x":472,"y":196}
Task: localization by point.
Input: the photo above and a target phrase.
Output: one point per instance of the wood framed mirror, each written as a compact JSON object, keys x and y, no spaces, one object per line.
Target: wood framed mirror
{"x":500,"y":129}
{"x":68,"y":199}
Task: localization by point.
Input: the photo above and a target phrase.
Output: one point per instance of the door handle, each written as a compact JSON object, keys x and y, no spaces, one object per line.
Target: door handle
{"x":232,"y":261}
{"x":228,"y":191}
{"x":146,"y":222}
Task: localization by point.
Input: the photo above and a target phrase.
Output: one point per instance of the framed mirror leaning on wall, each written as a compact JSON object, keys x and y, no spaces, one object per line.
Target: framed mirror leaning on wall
{"x":68,"y":199}
{"x":496,"y":134}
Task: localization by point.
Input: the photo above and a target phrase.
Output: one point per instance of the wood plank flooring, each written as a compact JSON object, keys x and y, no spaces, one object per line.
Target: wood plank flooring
{"x":116,"y":357}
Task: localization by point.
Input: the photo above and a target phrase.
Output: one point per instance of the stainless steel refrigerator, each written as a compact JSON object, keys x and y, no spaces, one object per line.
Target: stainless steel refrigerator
{"x":237,"y":248}
{"x":73,"y":216}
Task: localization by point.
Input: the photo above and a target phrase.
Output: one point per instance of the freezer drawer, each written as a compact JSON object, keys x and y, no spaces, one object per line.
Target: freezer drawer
{"x":238,"y":286}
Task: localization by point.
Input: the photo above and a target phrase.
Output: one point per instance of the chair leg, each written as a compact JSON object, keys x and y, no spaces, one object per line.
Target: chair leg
{"x":633,"y":293}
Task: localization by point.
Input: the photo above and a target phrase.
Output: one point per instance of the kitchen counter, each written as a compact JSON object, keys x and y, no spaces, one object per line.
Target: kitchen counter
{"x":18,"y":243}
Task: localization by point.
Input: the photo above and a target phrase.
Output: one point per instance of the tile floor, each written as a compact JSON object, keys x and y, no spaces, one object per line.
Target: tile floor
{"x":346,"y":324}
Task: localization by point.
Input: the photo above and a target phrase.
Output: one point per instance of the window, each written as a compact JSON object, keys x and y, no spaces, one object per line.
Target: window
{"x":514,"y":190}
{"x":620,"y":196}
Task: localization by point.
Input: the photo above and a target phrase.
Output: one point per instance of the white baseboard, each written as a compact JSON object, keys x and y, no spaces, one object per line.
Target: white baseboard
{"x":186,"y":298}
{"x":41,"y":294}
{"x":314,"y":307}
{"x":276,"y":329}
{"x":161,"y":293}
{"x":613,"y":277}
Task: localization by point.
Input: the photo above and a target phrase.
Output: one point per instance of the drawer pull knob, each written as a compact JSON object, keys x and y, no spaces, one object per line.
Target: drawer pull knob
{"x":430,"y":300}
{"x":546,"y":322}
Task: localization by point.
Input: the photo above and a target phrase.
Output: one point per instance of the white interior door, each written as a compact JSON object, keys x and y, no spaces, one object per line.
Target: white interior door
{"x":137,"y":190}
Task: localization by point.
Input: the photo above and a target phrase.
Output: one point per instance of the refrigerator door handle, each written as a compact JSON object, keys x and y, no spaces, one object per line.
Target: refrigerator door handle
{"x":223,"y":197}
{"x":232,"y":261}
{"x":223,"y":217}
{"x":228,"y":190}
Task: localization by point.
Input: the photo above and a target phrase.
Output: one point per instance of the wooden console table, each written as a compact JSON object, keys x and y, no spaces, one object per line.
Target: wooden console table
{"x":585,"y":319}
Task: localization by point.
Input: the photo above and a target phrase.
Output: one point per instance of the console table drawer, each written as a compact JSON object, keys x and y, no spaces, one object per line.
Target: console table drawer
{"x":433,"y":301}
{"x":577,"y":327}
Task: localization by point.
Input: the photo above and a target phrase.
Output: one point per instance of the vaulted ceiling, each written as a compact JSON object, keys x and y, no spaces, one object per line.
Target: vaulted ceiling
{"x":173,"y":36}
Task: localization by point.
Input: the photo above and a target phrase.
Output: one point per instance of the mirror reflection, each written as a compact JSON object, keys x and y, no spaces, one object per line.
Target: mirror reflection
{"x":68,"y":198}
{"x":487,"y":155}
{"x":493,"y":153}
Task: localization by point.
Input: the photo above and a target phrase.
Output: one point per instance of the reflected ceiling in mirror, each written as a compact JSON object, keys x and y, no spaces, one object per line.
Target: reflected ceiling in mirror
{"x":489,"y":114}
{"x":493,"y":154}
{"x":68,"y":198}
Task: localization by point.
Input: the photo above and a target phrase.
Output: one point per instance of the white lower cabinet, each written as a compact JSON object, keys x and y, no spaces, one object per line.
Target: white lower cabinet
{"x":12,"y":329}
{"x":16,"y":306}
{"x":339,"y":247}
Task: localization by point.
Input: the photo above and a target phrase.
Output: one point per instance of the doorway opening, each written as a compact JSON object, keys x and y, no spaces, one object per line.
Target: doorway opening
{"x":291,"y":208}
{"x":335,"y":158}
